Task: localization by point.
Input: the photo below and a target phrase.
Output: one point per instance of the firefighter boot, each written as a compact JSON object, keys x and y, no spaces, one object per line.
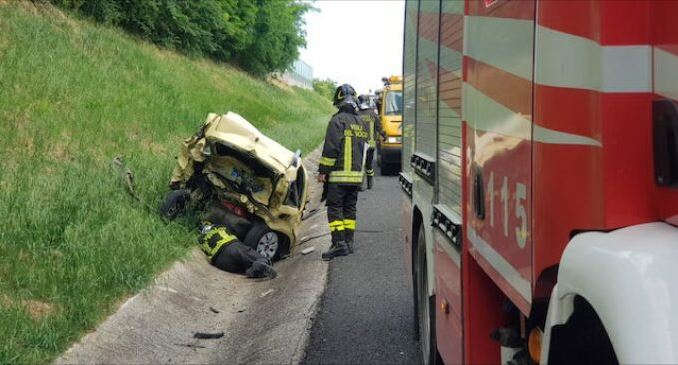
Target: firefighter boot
{"x":336,"y":250}
{"x":348,"y":234}
{"x":370,"y":182}
{"x":349,"y":247}
{"x":261,"y":269}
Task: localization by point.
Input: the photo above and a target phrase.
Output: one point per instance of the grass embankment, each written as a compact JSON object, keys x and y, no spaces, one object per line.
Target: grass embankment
{"x":72,"y":96}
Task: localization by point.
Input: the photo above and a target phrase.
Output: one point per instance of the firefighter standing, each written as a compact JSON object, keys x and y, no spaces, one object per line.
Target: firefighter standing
{"x":341,"y":168}
{"x":371,"y":121}
{"x":226,"y":252}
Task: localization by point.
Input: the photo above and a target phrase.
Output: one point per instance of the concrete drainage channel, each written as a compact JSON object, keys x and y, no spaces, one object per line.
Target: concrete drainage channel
{"x":262,"y":321}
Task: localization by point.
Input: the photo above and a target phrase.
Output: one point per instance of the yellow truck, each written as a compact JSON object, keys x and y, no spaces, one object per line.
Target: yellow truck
{"x":390,"y":105}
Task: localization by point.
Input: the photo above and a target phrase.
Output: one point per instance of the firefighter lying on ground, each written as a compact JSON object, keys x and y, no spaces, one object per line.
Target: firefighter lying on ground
{"x":373,"y":126}
{"x":226,"y":252}
{"x":341,"y":168}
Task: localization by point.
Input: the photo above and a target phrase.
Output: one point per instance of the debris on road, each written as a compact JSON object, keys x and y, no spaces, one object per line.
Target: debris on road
{"x":208,"y":336}
{"x":307,"y":239}
{"x":311,"y":213}
{"x":267,"y":292}
{"x":190,"y":345}
{"x":308,"y":250}
{"x":213,"y":310}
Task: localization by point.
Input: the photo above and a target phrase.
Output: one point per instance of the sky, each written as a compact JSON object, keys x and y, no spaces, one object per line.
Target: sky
{"x":355,"y":41}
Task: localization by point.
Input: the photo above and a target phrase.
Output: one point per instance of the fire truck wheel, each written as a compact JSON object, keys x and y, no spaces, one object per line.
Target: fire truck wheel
{"x":425,"y":305}
{"x":387,"y":169}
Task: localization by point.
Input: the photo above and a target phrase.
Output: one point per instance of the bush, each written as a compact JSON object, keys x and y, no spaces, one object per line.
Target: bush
{"x":261,"y":36}
{"x":325,"y":87}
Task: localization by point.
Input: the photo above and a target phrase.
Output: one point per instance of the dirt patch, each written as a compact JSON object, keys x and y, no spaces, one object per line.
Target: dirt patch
{"x":47,"y":11}
{"x":24,"y":255}
{"x":56,"y":254}
{"x":279,"y":83}
{"x":59,"y":150}
{"x":5,"y":301}
{"x":157,"y":51}
{"x":37,"y":309}
{"x":4,"y":185}
{"x":22,"y":142}
{"x":157,"y":149}
{"x":4,"y":39}
{"x":28,"y":6}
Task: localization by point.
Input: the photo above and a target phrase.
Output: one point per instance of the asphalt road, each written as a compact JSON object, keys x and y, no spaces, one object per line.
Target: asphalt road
{"x":366,"y":311}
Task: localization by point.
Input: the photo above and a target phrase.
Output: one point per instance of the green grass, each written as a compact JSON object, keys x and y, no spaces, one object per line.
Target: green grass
{"x":73,"y":95}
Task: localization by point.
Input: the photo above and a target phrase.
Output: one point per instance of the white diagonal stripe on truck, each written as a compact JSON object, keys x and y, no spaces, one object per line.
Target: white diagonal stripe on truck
{"x":570,"y":61}
{"x":499,"y":263}
{"x":665,"y":74}
{"x":500,"y":42}
{"x":563,"y":60}
{"x":491,"y":116}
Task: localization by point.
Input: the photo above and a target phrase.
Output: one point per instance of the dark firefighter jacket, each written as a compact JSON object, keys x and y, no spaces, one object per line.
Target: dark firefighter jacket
{"x":212,"y":241}
{"x":372,"y":124}
{"x":342,"y":157}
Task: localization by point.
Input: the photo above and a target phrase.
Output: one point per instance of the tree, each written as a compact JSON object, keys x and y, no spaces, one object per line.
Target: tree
{"x":325,"y":87}
{"x":261,"y":36}
{"x":278,"y":34}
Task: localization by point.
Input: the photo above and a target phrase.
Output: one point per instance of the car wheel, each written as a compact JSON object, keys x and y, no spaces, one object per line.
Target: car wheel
{"x":175,"y":203}
{"x":266,"y":242}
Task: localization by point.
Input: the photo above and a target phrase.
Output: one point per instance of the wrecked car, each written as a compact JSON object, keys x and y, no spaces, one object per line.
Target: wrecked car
{"x":234,"y":175}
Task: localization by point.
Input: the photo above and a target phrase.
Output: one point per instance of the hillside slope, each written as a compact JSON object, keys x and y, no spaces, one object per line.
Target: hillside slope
{"x":73,"y":95}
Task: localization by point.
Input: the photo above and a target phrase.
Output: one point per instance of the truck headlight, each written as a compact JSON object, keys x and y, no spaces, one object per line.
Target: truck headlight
{"x":393,"y":139}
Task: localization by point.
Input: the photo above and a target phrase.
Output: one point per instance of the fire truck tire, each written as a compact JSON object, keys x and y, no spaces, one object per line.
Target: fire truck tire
{"x":385,"y":169}
{"x":425,"y":305}
{"x":388,"y":169}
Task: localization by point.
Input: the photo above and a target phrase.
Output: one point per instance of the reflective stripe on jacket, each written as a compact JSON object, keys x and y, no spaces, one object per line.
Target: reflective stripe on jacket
{"x":372,"y":124}
{"x":342,"y":156}
{"x":212,"y":241}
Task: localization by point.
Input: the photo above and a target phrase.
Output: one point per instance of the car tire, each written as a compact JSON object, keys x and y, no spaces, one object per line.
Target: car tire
{"x":265,"y":241}
{"x":175,"y":203}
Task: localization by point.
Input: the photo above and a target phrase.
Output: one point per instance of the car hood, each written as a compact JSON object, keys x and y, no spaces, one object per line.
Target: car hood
{"x":234,"y":131}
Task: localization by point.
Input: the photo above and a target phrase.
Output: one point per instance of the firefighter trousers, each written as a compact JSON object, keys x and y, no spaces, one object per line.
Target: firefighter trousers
{"x":341,"y":211}
{"x":369,"y":161}
{"x":236,"y":257}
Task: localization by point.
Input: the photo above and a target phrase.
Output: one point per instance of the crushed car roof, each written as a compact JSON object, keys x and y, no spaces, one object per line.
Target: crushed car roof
{"x":233,"y":130}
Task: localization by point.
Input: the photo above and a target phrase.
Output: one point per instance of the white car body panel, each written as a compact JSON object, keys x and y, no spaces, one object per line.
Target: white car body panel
{"x":630,"y":277}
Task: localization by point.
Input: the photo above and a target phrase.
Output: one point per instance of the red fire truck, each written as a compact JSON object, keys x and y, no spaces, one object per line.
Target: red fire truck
{"x":540,"y":180}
